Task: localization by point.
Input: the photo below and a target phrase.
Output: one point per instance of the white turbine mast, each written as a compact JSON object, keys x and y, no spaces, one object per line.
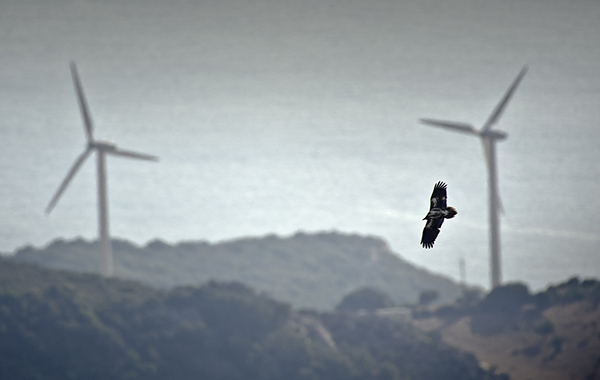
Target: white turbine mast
{"x":102,"y":148}
{"x":489,"y":137}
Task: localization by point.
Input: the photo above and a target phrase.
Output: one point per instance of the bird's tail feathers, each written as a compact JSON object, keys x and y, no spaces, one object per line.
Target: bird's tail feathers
{"x":451,"y":212}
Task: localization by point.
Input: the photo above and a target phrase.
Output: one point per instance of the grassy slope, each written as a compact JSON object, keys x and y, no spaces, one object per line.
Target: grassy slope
{"x":570,"y":351}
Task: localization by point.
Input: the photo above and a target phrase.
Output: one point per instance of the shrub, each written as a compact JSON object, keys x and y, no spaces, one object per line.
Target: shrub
{"x":544,"y":328}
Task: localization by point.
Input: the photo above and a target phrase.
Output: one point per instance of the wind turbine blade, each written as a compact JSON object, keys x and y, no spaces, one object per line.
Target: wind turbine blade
{"x":85,"y":114}
{"x":78,"y":162}
{"x":502,"y":105}
{"x":459,"y":127}
{"x":131,"y":154}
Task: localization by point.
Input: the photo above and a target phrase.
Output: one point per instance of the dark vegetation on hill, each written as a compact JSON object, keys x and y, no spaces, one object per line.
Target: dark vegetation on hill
{"x":307,"y":270}
{"x":65,"y":325}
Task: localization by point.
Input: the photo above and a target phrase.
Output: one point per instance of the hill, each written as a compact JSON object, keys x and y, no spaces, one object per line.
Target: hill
{"x":550,"y":335}
{"x":307,"y":270}
{"x":65,"y":325}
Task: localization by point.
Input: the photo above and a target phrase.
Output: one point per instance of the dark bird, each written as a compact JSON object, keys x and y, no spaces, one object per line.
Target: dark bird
{"x":438,"y":211}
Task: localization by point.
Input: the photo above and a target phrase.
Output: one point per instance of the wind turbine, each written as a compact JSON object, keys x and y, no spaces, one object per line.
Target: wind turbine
{"x":489,"y":137}
{"x":102,"y":148}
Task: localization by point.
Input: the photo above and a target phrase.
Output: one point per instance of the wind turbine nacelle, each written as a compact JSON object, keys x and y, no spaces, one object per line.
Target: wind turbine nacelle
{"x":102,"y":145}
{"x":494,"y":134}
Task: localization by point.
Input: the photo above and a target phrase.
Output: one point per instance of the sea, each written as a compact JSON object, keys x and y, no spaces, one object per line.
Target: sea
{"x":281,"y":116}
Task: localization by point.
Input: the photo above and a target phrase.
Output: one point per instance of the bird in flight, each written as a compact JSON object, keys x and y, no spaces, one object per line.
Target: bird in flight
{"x":438,"y":211}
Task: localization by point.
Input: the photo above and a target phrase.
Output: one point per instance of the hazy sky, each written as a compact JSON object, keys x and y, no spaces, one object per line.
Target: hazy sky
{"x":279,"y":116}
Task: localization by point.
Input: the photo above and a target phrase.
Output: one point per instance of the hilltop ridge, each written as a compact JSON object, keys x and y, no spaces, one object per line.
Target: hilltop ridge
{"x":307,"y":270}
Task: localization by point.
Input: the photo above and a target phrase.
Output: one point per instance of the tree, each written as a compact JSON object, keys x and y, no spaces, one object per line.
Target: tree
{"x":428,"y":296}
{"x":365,"y":298}
{"x":506,"y":299}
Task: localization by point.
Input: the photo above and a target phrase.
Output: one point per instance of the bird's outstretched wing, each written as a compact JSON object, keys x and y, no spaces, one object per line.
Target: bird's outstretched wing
{"x":431,"y":231}
{"x":438,"y":197}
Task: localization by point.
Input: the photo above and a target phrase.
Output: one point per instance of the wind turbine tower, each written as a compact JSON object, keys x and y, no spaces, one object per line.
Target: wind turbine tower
{"x":489,"y":137}
{"x":102,"y":148}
